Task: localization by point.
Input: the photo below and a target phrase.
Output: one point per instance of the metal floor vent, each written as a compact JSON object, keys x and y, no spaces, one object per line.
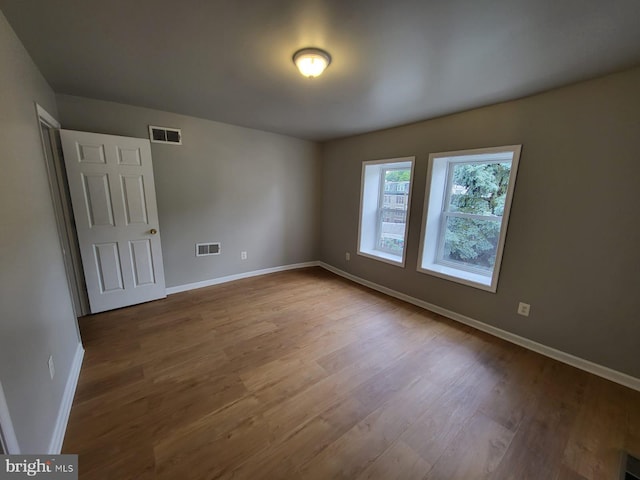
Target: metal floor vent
{"x":204,"y":249}
{"x":630,"y":468}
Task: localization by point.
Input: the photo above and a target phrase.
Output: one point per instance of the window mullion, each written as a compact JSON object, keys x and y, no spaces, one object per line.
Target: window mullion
{"x":473,"y":216}
{"x":380,"y":208}
{"x":444,"y":213}
{"x":446,"y":205}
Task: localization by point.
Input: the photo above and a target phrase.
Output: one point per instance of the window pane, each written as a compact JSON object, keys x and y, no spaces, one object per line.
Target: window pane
{"x":471,"y":242}
{"x":392,"y":228}
{"x":393,"y":210}
{"x":479,"y":188}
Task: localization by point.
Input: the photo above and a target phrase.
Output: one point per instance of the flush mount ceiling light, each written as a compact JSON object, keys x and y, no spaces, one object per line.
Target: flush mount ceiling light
{"x":311,"y":61}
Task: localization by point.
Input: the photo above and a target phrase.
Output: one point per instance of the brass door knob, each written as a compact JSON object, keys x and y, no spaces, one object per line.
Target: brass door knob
{"x":153,"y":231}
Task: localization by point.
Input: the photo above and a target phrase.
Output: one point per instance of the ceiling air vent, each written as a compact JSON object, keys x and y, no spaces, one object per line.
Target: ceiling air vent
{"x":165,"y":135}
{"x":204,"y":249}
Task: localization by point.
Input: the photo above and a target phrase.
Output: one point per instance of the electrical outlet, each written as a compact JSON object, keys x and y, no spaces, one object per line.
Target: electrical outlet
{"x":347,"y":256}
{"x":243,"y":255}
{"x":523,"y":309}
{"x":52,"y":368}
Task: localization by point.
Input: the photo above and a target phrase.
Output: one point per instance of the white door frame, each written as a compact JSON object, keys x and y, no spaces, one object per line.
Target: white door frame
{"x":8,"y":439}
{"x":63,"y":213}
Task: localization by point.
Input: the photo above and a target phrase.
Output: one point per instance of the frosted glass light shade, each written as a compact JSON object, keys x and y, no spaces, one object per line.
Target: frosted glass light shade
{"x":311,"y":61}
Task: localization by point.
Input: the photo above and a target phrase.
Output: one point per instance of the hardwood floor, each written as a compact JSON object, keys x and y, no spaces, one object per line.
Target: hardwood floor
{"x":305,"y":375}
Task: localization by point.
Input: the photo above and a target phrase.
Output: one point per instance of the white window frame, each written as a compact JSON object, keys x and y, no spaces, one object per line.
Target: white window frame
{"x":437,"y":199}
{"x":371,"y":195}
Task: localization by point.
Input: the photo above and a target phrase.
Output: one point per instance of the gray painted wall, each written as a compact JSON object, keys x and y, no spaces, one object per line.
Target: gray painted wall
{"x":573,"y":246}
{"x":36,"y":315}
{"x":250,"y":190}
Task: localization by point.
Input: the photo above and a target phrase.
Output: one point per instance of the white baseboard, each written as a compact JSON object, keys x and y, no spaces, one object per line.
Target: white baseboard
{"x":582,"y":364}
{"x":55,"y":446}
{"x":238,"y":276}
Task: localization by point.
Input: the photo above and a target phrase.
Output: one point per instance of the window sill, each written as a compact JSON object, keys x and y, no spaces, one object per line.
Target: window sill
{"x":464,"y":277}
{"x":390,"y":258}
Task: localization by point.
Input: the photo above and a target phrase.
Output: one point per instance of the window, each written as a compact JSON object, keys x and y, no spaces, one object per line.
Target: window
{"x":384,"y":209}
{"x":466,"y":213}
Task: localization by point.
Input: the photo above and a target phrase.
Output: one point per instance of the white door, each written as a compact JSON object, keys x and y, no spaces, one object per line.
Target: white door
{"x":114,"y":205}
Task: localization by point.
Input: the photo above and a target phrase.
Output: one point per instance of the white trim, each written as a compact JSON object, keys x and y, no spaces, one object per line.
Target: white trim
{"x":55,"y":445}
{"x":44,"y":115}
{"x":582,"y":364}
{"x":370,"y":251}
{"x":460,"y":275}
{"x":382,"y":257}
{"x":64,"y":219}
{"x":238,"y":276}
{"x":433,"y":213}
{"x":7,"y":433}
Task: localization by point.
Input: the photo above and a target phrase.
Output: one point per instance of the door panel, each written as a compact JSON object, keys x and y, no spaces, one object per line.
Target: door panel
{"x":129,"y":156}
{"x":97,"y":199}
{"x":135,"y":203}
{"x":108,"y":265}
{"x":142,"y":262}
{"x":114,"y":203}
{"x":91,"y":153}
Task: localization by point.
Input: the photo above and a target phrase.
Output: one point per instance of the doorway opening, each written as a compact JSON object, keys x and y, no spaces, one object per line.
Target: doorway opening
{"x":50,"y":136}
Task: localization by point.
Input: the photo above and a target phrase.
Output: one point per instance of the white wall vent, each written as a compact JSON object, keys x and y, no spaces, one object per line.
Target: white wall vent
{"x":204,"y":249}
{"x":165,"y":135}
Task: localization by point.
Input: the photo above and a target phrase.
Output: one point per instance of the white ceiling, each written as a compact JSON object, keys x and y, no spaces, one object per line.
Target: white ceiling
{"x":394,"y":61}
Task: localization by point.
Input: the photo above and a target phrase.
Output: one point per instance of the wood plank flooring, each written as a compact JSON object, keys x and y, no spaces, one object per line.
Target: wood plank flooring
{"x":304,"y":375}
